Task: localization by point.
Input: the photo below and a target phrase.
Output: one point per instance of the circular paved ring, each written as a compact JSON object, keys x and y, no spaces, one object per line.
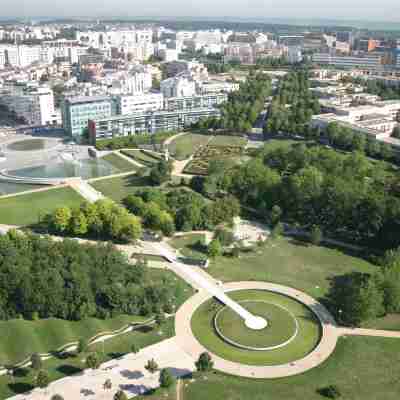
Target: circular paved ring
{"x":321,"y":352}
{"x":262,"y":322}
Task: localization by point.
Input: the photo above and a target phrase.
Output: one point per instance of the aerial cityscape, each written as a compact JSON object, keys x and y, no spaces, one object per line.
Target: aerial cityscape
{"x":199,"y":201}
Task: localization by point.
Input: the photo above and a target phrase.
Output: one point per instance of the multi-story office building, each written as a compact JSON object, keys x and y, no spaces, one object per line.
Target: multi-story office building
{"x":148,"y":122}
{"x":34,"y":105}
{"x":139,"y":103}
{"x":76,"y":113}
{"x":192,"y":102}
{"x":368,"y":61}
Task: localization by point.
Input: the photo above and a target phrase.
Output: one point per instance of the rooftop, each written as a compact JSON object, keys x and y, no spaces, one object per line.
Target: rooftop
{"x":87,"y":99}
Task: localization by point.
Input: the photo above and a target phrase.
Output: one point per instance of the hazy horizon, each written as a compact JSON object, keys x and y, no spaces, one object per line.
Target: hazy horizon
{"x":360,"y":10}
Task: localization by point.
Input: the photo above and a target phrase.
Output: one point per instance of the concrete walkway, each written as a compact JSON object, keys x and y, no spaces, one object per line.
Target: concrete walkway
{"x":202,"y":281}
{"x":85,"y":190}
{"x":127,"y":373}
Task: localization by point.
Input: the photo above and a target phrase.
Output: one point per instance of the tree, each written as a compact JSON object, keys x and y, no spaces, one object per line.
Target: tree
{"x":56,"y":397}
{"x":61,"y":219}
{"x":204,"y":363}
{"x":356,"y":297}
{"x":42,"y":379}
{"x":161,"y":172}
{"x":316,"y":235}
{"x":225,"y":236}
{"x":82,"y":345}
{"x":107,"y":385}
{"x":36,"y":362}
{"x":166,"y":378}
{"x":277,"y":231}
{"x":79,"y":225}
{"x":134,"y":348}
{"x":151,"y":366}
{"x":120,"y":395}
{"x":331,"y":392}
{"x":396,"y":132}
{"x":93,"y":361}
{"x":275,"y":215}
{"x":160,"y":319}
{"x":214,"y":248}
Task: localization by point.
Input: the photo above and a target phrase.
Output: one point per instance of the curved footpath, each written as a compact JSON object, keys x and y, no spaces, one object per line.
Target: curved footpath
{"x":324,"y":349}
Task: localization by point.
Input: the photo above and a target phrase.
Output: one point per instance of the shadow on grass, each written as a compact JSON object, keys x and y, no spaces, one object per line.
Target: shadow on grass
{"x":67,"y":369}
{"x":20,"y":387}
{"x":21,"y":372}
{"x":144,"y":329}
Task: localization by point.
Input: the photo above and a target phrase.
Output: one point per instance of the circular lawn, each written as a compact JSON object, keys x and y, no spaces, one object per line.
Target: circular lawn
{"x":292,"y":330}
{"x":281,"y":328}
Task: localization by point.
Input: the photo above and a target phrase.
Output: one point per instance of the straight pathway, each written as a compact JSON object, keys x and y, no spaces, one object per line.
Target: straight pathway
{"x":85,"y":190}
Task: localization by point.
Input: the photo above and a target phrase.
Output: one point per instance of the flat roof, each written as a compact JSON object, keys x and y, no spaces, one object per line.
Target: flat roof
{"x":87,"y":99}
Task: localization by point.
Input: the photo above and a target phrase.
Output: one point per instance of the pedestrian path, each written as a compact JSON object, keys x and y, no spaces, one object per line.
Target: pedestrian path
{"x":127,"y":373}
{"x":85,"y":190}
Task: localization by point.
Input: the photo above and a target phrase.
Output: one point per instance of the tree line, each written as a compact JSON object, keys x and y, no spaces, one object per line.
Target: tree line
{"x":103,"y":219}
{"x":180,"y":210}
{"x":43,"y":278}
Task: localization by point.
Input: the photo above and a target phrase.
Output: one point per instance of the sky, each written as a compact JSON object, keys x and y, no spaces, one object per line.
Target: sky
{"x":383,"y":10}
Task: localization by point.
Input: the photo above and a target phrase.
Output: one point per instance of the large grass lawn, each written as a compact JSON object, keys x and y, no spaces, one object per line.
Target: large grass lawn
{"x":145,"y":158}
{"x":184,"y":146}
{"x":288,"y":262}
{"x":20,"y":338}
{"x":363,"y":368}
{"x":282,"y":328}
{"x":29,"y":208}
{"x":120,"y":163}
{"x":273,"y":144}
{"x":120,"y":187}
{"x":61,"y":367}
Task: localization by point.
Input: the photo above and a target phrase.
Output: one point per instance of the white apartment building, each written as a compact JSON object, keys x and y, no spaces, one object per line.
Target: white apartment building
{"x":168,"y":55}
{"x":35,"y":106}
{"x":294,"y":54}
{"x":136,"y":81}
{"x":178,"y":87}
{"x":139,"y":103}
{"x":20,"y":56}
{"x":368,"y":61}
{"x":209,"y":87}
{"x":398,"y":61}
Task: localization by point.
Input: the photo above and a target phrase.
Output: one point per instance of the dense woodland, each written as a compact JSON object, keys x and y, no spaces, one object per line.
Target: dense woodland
{"x":346,"y":195}
{"x":41,"y":278}
{"x":292,"y":106}
{"x":243,"y":107}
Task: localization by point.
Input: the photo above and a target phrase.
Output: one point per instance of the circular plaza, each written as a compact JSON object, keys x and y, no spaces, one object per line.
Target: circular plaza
{"x":298,"y":333}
